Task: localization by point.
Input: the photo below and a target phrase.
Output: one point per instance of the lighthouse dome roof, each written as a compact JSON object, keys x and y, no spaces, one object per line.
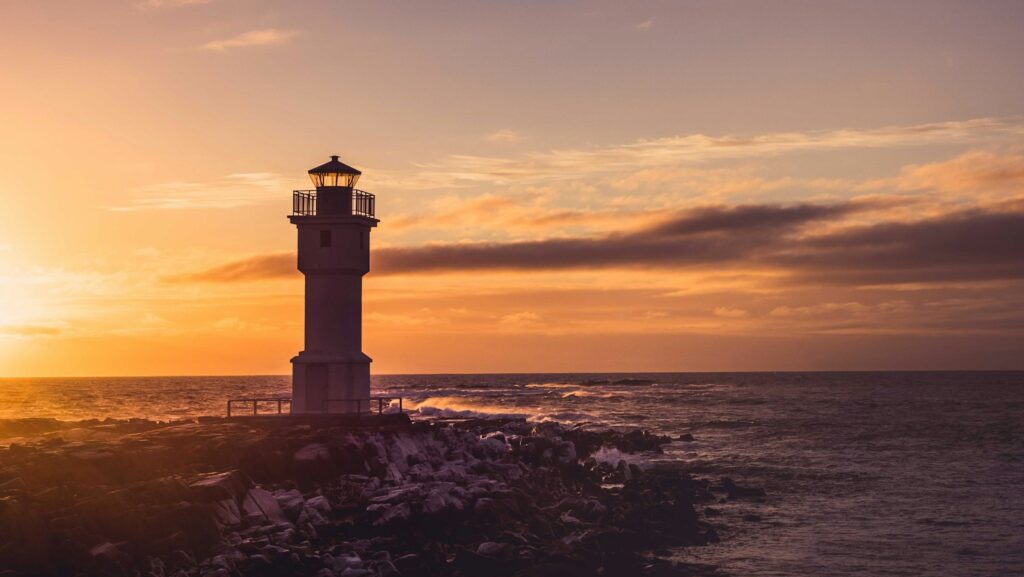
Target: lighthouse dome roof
{"x":334,"y":166}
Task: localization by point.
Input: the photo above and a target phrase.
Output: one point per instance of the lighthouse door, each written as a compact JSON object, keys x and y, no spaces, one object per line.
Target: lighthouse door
{"x":316,"y":388}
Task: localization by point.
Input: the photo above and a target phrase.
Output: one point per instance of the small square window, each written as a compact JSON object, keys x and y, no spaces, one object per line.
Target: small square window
{"x":325,"y":238}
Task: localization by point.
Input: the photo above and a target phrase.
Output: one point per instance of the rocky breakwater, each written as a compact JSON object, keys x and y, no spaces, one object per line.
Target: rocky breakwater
{"x":281,"y":498}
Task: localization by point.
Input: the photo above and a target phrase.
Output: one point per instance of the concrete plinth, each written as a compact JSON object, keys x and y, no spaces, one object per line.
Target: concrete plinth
{"x":330,"y":383}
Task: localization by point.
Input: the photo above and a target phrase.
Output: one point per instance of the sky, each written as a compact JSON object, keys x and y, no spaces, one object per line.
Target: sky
{"x":562,"y":186}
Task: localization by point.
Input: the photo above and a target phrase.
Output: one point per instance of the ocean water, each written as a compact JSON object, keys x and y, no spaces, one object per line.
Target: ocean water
{"x":868,"y":474}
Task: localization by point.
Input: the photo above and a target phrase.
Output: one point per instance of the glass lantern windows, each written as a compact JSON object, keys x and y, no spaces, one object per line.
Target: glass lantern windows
{"x":333,"y":179}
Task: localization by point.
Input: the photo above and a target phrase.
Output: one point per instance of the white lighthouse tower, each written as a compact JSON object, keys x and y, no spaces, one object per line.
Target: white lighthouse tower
{"x":332,"y":374}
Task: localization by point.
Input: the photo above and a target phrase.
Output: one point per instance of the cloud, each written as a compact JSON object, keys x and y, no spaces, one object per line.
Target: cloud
{"x":701,"y":235}
{"x":170,"y":3}
{"x":397,"y":320}
{"x":748,"y":217}
{"x":972,"y":172}
{"x":675,"y":151}
{"x":645,"y":25}
{"x":262,"y":37}
{"x":503,"y":136}
{"x":230,"y":191}
{"x":730,"y":312}
{"x":259,"y":267}
{"x":521,"y":319}
{"x":28,"y":331}
{"x":969,"y":245}
{"x":819,"y":309}
{"x":926,"y":237}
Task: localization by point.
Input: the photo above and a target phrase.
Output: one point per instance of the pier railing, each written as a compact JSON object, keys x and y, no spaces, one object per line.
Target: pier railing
{"x":255,"y":402}
{"x":360,"y":403}
{"x":304,"y":203}
{"x":251,"y":406}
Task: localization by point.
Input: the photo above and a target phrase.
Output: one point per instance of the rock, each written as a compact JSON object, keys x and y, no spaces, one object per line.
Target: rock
{"x":473,"y":498}
{"x":387,"y":513}
{"x":260,"y":503}
{"x":15,"y":484}
{"x":227,"y":513}
{"x":313,"y":462}
{"x":406,"y":563}
{"x":490,"y":549}
{"x":735,"y":491}
{"x":386,"y":568}
{"x":290,"y":501}
{"x":25,"y":545}
{"x":685,"y":437}
{"x":220,"y":486}
{"x":107,"y":553}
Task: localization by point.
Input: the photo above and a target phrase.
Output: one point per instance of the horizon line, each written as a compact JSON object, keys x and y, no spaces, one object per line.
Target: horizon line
{"x":486,"y":373}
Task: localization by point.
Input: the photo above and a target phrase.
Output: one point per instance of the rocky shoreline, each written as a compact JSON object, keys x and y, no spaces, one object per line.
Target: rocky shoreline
{"x":272,"y":497}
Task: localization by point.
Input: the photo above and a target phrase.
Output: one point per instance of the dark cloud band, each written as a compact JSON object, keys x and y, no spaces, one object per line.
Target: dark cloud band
{"x":963,"y":246}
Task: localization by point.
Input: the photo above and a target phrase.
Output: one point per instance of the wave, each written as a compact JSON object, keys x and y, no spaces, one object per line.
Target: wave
{"x":564,"y":417}
{"x":456,"y":407}
{"x":581,"y":393}
{"x":612,"y":456}
{"x":551,"y":385}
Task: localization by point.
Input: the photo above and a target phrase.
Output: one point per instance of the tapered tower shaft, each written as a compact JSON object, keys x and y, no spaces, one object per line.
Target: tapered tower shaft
{"x":332,"y":374}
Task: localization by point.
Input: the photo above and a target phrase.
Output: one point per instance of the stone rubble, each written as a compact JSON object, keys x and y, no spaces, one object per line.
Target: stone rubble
{"x":264,"y":498}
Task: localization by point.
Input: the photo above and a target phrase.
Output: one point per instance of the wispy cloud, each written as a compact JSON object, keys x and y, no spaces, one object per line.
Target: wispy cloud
{"x":170,"y":3}
{"x":227,"y":192}
{"x":503,"y":136}
{"x":645,"y":25}
{"x":520,"y":319}
{"x":730,"y":312}
{"x":29,"y":331}
{"x":262,"y":37}
{"x":687,"y":150}
{"x":258,"y":267}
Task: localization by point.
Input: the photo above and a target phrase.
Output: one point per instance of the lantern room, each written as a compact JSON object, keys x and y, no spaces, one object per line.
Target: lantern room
{"x":334,"y":174}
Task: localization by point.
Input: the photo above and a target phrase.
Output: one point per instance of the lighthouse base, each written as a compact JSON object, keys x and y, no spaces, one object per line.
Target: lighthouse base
{"x":324,"y":383}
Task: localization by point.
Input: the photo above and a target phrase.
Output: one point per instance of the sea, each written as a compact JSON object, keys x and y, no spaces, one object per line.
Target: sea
{"x":867,"y":474}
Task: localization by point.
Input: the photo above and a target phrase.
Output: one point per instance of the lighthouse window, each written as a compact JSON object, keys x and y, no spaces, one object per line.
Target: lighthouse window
{"x":325,"y":238}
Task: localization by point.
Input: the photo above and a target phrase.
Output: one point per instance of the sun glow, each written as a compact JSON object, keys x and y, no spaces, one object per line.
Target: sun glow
{"x":143,"y":227}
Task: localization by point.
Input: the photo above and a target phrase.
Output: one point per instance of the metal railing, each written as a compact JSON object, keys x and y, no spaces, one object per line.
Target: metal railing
{"x":362,"y":203}
{"x":255,"y":402}
{"x":325,"y":408}
{"x":304,"y":203}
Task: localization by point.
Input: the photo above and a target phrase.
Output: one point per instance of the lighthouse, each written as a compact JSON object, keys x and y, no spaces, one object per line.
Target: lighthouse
{"x":332,"y":374}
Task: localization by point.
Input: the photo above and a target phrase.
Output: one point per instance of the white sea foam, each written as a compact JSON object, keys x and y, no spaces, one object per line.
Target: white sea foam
{"x":582,"y":393}
{"x":612,"y":456}
{"x":461,"y":407}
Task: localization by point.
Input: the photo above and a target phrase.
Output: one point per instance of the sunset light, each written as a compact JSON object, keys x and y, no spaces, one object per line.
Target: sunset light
{"x":473,"y":288}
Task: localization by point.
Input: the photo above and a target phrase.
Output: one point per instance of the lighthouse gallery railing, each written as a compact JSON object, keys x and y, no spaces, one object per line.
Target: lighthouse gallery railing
{"x":304,"y":203}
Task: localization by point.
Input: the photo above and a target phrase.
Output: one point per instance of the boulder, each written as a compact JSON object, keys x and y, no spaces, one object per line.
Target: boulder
{"x":260,"y":504}
{"x":219,"y":486}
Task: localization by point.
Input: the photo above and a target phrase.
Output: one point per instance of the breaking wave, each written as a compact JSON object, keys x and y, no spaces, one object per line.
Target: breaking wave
{"x":460,"y":407}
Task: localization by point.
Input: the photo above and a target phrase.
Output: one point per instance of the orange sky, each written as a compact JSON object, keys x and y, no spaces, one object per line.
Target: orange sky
{"x":577,"y":186}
